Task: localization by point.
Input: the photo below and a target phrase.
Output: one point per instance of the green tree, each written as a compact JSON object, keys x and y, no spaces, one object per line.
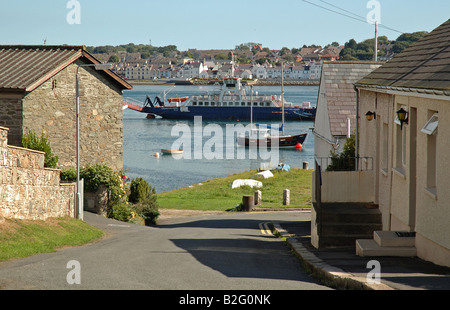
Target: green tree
{"x":243,"y":59}
{"x":344,"y":161}
{"x":406,"y":40}
{"x":220,"y":56}
{"x":114,"y":59}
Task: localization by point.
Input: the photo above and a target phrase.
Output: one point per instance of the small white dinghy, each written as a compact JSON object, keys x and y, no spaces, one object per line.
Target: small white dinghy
{"x":245,"y":182}
{"x":265,"y":174}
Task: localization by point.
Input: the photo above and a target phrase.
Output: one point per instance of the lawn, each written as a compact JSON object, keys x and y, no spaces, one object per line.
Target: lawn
{"x":217,"y":194}
{"x":22,"y":238}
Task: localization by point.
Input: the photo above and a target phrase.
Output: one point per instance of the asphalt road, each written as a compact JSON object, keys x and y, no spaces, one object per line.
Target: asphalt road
{"x":212,"y":252}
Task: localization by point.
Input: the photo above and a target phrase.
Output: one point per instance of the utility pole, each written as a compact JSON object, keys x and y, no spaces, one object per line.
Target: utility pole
{"x":375,"y":53}
{"x":282,"y":94}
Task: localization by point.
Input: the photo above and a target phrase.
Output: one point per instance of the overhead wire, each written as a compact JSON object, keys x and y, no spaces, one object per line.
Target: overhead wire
{"x":355,"y":16}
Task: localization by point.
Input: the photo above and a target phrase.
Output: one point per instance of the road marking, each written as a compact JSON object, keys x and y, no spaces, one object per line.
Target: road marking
{"x":265,"y":230}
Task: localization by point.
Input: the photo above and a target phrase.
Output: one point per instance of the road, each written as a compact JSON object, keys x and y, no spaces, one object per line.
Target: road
{"x":229,"y":251}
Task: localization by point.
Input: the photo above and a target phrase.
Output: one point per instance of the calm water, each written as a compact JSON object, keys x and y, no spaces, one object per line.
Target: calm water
{"x":144,"y":137}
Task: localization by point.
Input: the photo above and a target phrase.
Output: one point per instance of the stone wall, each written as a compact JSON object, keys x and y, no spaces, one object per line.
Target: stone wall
{"x":27,"y":189}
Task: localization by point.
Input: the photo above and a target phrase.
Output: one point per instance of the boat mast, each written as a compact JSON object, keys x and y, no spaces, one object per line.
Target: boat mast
{"x":282,"y":96}
{"x":251,"y":107}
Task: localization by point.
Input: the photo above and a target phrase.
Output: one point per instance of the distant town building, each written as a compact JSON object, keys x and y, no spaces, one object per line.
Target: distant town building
{"x":306,"y":64}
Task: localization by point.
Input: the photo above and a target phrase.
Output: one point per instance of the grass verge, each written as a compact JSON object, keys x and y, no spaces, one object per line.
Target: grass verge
{"x":22,"y":238}
{"x":217,"y":194}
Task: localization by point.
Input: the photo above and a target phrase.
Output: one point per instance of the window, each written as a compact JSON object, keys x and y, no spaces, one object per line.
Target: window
{"x":431,"y":129}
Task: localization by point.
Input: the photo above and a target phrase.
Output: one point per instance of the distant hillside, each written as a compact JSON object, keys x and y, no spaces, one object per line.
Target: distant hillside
{"x":146,"y":51}
{"x":386,"y":48}
{"x":244,"y":54}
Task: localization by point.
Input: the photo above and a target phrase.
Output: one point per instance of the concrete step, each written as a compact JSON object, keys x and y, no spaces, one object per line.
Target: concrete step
{"x":393,"y":239}
{"x":370,"y":248}
{"x":341,"y":240}
{"x":341,"y":224}
{"x":331,"y":229}
{"x":350,"y":213}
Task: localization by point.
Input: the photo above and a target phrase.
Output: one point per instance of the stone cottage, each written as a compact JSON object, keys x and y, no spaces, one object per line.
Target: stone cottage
{"x":38,"y":92}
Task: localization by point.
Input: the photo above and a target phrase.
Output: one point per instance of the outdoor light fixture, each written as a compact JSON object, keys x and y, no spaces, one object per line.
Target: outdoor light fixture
{"x":79,"y":201}
{"x":371,"y":116}
{"x":402,"y":117}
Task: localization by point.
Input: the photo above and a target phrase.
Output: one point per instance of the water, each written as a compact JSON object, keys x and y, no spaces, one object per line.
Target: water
{"x":144,"y":137}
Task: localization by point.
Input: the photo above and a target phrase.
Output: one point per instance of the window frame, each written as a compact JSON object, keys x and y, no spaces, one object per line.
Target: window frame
{"x":432,"y":120}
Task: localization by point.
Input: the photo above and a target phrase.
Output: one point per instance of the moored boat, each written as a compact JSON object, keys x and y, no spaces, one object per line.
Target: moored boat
{"x":261,"y":137}
{"x":272,"y":141}
{"x":233,"y":102}
{"x":171,"y":152}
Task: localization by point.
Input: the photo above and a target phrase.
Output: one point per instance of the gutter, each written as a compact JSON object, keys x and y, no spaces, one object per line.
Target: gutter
{"x":419,"y":92}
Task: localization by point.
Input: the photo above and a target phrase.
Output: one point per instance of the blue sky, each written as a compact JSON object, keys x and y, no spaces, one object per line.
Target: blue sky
{"x":211,"y":24}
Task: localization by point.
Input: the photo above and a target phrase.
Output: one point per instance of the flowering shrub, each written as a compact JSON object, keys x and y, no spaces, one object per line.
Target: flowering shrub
{"x":125,"y":204}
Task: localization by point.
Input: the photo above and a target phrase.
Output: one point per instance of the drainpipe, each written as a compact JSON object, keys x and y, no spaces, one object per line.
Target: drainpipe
{"x":392,"y":164}
{"x":357,"y":130}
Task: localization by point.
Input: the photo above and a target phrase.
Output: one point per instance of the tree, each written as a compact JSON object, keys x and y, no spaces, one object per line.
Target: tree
{"x":220,"y":56}
{"x":406,"y":40}
{"x":243,"y":59}
{"x":346,"y":160}
{"x":114,"y":59}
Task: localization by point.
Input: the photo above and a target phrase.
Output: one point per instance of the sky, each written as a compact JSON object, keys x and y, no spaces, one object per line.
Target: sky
{"x":213,"y":24}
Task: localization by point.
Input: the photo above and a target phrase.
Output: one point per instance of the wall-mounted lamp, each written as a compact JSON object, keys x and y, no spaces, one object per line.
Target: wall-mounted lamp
{"x":371,"y":116}
{"x":402,"y":117}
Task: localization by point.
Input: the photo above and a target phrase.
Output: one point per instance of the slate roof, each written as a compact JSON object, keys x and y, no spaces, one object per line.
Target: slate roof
{"x":423,"y":67}
{"x":25,"y":67}
{"x":338,"y":79}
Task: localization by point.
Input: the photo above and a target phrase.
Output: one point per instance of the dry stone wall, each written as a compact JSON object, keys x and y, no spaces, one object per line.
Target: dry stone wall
{"x":27,"y":189}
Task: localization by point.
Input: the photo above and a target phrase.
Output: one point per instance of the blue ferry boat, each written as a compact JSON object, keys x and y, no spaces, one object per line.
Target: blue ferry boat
{"x":233,"y":102}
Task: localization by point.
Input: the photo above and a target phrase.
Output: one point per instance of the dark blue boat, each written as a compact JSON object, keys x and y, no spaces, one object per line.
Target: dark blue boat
{"x":231,"y":103}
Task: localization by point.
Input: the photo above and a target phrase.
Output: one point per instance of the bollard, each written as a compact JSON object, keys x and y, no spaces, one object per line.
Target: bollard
{"x":248,"y":203}
{"x":286,"y":197}
{"x":258,"y":197}
{"x":305,"y":165}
